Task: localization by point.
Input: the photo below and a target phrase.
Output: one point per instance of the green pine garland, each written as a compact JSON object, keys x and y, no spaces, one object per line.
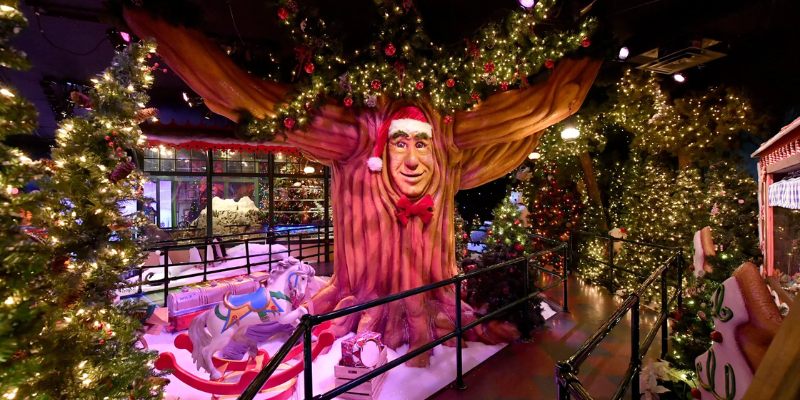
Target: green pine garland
{"x":403,"y":63}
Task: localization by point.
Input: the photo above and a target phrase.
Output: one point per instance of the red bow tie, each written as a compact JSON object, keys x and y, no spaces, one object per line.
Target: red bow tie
{"x":422,"y":208}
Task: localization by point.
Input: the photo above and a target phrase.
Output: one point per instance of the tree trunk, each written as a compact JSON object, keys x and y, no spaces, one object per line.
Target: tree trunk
{"x":592,"y":187}
{"x":684,"y":160}
{"x":376,"y":256}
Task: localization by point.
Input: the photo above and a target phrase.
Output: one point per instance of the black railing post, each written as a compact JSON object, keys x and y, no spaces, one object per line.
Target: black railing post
{"x":664,"y":313}
{"x":611,"y":262}
{"x":565,"y":276}
{"x":308,"y":379}
{"x":247,"y":253}
{"x":635,"y":359}
{"x":326,"y":204}
{"x":459,"y":346}
{"x":205,"y":259}
{"x":166,"y":275}
{"x":563,"y":370}
{"x":679,"y":263}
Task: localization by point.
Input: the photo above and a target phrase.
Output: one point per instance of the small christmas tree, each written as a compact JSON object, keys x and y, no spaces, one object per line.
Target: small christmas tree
{"x":462,"y":237}
{"x":62,"y":336}
{"x":555,"y":208}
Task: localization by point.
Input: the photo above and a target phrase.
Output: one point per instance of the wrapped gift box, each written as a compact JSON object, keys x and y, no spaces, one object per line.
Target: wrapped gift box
{"x":362,"y":350}
{"x":193,"y":299}
{"x":367,"y":390}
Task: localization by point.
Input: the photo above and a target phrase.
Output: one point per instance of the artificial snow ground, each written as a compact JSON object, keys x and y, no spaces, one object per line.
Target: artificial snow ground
{"x":401,"y":383}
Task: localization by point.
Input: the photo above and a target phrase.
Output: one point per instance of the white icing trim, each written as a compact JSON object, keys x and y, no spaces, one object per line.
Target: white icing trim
{"x":410,"y":125}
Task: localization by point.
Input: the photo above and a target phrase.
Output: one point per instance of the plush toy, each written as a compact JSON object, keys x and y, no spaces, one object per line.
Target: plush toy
{"x":516,"y":198}
{"x":703,"y":248}
{"x":618,"y":233}
{"x":746,"y":320}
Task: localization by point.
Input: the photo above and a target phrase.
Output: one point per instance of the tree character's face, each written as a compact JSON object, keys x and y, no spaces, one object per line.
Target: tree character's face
{"x":411,"y":162}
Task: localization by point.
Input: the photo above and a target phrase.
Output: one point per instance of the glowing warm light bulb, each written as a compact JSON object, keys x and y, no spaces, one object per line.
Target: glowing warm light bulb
{"x":309,"y":169}
{"x":624,"y":53}
{"x":570,"y":133}
{"x":527,"y":3}
{"x":534,"y":155}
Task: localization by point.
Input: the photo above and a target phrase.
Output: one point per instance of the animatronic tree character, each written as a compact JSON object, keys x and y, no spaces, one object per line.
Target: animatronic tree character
{"x":394,"y":221}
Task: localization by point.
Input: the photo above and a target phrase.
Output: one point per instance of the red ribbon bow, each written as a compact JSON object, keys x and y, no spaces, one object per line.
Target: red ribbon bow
{"x":422,"y":208}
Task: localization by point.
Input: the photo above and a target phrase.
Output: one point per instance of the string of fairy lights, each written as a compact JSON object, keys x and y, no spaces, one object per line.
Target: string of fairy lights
{"x":405,"y":64}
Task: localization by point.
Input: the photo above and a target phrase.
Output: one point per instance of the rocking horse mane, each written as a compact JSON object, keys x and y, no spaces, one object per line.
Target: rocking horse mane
{"x":280,"y":268}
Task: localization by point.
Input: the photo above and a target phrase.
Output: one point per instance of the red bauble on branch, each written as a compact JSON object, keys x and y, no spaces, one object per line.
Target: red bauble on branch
{"x":488,"y":67}
{"x":348,"y":101}
{"x":289,"y":122}
{"x":389,"y":50}
{"x":549,"y":64}
{"x":585,"y":42}
{"x":283,"y":14}
{"x":376,"y":84}
{"x":450,"y":82}
{"x":309,"y":68}
{"x":420,"y":85}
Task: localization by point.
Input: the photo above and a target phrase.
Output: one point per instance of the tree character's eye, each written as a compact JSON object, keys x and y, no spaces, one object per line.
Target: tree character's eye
{"x":401,"y":145}
{"x":421,"y":145}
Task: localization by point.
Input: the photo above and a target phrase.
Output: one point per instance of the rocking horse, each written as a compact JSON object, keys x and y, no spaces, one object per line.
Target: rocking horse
{"x":275,"y":307}
{"x":280,"y":302}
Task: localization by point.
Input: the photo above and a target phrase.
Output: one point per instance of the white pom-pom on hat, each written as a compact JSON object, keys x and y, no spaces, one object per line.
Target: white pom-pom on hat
{"x":375,"y":164}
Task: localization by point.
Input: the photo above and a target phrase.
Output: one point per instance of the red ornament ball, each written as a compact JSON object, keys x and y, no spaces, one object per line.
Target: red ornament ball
{"x":376,"y":84}
{"x":464,"y":236}
{"x":448,"y":119}
{"x":488,"y":67}
{"x":420,"y":85}
{"x":696,"y":393}
{"x":389,"y":50}
{"x":110,"y":144}
{"x":585,"y":42}
{"x":14,"y":191}
{"x":107,"y":137}
{"x":549,"y":64}
{"x":450,"y":82}
{"x":504,"y":85}
{"x":283,"y":14}
{"x":348,"y":101}
{"x":289,"y":122}
{"x":101,"y":341}
{"x":716,"y":336}
{"x":518,"y":247}
{"x":309,"y":68}
{"x":165,"y":70}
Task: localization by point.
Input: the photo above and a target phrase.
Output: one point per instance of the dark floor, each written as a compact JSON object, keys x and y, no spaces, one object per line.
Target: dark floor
{"x":526,"y":370}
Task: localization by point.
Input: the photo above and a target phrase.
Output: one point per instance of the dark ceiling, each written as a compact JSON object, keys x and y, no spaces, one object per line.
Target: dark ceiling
{"x":67,"y":41}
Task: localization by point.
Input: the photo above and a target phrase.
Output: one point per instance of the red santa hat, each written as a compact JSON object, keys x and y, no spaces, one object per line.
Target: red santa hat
{"x":407,"y":119}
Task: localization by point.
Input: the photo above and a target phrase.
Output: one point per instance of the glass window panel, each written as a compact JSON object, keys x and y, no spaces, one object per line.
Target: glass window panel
{"x":786,"y":225}
{"x":299,"y":201}
{"x":167,"y":165}
{"x":150,"y":164}
{"x":151,"y":152}
{"x":165,"y":204}
{"x":239,"y":204}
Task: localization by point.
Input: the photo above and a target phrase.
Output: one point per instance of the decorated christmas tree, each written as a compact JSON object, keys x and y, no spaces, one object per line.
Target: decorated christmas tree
{"x":58,"y":288}
{"x":462,"y":236}
{"x":555,"y":208}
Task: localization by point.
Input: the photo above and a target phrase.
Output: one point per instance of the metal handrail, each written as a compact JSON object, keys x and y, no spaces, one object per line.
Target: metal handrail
{"x":283,"y":237}
{"x":309,"y":321}
{"x":567,"y":371}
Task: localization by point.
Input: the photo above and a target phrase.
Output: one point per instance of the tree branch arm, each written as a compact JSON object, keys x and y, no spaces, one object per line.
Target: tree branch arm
{"x":487,"y":163}
{"x":513,"y":115}
{"x":224,"y":86}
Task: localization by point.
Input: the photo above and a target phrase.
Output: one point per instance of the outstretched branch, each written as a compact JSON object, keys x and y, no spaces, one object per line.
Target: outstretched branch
{"x":510,"y":116}
{"x":332,"y":133}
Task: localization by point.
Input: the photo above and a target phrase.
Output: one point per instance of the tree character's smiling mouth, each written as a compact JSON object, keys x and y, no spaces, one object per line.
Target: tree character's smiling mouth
{"x":412,"y":174}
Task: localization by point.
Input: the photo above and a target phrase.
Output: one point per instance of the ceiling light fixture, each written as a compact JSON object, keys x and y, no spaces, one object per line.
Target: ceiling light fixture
{"x":624,"y":53}
{"x":679,"y":77}
{"x":570,"y":133}
{"x":527,"y":3}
